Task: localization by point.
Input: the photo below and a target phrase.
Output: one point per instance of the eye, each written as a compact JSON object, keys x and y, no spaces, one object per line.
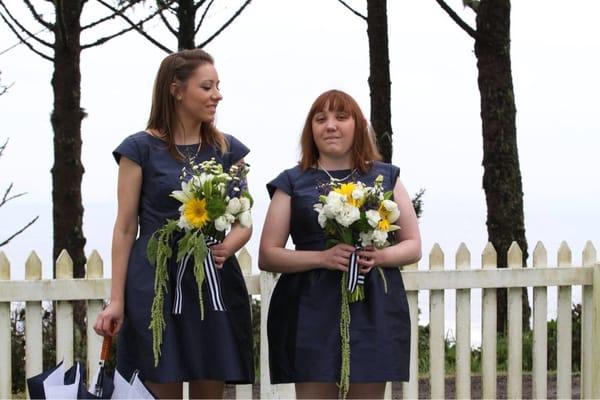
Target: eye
{"x":342,"y":116}
{"x":319,"y":118}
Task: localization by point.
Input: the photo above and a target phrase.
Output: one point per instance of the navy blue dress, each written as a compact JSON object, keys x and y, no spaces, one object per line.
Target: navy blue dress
{"x":216,"y":348}
{"x":304,"y":314}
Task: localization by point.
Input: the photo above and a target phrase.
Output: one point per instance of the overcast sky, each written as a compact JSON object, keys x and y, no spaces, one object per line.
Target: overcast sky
{"x":278,"y":56}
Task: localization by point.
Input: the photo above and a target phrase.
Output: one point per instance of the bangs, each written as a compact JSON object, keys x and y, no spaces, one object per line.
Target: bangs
{"x":335,"y":101}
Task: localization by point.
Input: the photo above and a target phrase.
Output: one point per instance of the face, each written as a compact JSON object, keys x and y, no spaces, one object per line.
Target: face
{"x":199,"y":97}
{"x":333,"y":133}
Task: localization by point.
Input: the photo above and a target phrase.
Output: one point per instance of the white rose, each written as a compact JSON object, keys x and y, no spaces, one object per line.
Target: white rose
{"x":334,"y":206}
{"x":348,"y":215}
{"x":335,"y":197}
{"x":221,"y":224}
{"x":322,"y":218}
{"x":358,"y":193}
{"x":373,"y":217}
{"x":379,"y":238}
{"x":245,"y":219}
{"x":366,"y":238}
{"x":229,"y":218}
{"x":245,"y":203}
{"x":234,"y":206}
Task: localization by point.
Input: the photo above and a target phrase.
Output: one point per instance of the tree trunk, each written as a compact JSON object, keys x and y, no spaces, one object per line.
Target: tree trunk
{"x":186,"y":15}
{"x":68,"y":170}
{"x":502,"y":176}
{"x":379,"y":79}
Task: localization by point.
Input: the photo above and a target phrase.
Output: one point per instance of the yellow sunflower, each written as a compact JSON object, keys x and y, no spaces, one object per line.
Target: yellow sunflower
{"x":195,"y":212}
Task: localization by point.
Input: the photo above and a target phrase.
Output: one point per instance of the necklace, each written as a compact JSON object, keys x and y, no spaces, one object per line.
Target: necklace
{"x":333,"y":179}
{"x":188,"y":154}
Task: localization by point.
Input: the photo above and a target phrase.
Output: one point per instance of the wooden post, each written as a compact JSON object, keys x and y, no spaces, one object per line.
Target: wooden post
{"x":596,"y":334}
{"x":587,"y":323}
{"x":540,"y":328}
{"x":463,"y":329}
{"x":436,"y":329}
{"x":5,"y":332}
{"x":33,"y":322}
{"x":410,"y":389}
{"x":64,"y":313}
{"x":94,"y":270}
{"x":245,"y":262}
{"x":489,"y":260}
{"x":563,"y":324}
{"x":515,"y":328}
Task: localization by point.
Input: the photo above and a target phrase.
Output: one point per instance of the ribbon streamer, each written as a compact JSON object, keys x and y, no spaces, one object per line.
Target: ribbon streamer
{"x":354,"y":277}
{"x":211,"y":275}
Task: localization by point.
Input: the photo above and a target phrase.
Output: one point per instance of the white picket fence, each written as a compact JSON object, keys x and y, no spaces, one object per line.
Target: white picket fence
{"x":437,"y":280}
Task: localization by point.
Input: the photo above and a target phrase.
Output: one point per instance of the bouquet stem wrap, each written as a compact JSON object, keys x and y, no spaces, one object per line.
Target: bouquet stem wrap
{"x":211,"y":276}
{"x":356,"y":280}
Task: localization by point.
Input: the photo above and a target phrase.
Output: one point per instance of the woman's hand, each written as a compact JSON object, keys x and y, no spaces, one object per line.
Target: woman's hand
{"x":220,"y":253}
{"x":337,"y":257}
{"x":370,"y":257}
{"x":110,"y":320}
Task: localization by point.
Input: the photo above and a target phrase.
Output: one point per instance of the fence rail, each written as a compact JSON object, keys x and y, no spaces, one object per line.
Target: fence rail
{"x":437,"y":280}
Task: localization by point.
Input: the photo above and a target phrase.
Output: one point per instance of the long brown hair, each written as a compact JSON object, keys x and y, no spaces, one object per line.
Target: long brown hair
{"x":364,"y":148}
{"x":178,"y":67}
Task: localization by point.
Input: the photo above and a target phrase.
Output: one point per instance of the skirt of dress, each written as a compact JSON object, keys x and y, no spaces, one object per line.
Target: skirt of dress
{"x":218,"y":347}
{"x":304,"y":329}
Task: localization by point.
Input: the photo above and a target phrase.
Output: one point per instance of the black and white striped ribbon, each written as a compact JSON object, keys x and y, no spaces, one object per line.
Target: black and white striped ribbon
{"x":211,"y":277}
{"x":354,"y":277}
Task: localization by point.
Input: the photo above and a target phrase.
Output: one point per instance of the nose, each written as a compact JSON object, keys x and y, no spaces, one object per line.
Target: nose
{"x":217,"y":96}
{"x":331,"y":124}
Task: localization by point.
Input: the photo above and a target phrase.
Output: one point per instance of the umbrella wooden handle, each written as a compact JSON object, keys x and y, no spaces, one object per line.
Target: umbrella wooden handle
{"x":106,"y":344}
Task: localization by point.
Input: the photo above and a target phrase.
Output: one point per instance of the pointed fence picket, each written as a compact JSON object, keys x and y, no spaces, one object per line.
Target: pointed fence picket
{"x":437,"y":280}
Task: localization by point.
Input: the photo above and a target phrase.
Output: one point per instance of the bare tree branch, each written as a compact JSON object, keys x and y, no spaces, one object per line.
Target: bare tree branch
{"x":199,"y":4}
{"x":24,"y":41}
{"x":16,"y":22}
{"x":226,"y":24}
{"x":167,"y":23}
{"x":353,"y":10}
{"x":139,"y":25}
{"x":6,"y":198}
{"x":3,"y":89}
{"x":472,"y":32}
{"x":137,"y":29}
{"x":38,"y":17}
{"x":110,"y":16}
{"x":3,"y":147}
{"x":11,"y":237}
{"x":203,"y":16}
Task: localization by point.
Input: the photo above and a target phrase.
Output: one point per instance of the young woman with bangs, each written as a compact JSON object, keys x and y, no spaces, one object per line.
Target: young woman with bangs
{"x":304,"y":313}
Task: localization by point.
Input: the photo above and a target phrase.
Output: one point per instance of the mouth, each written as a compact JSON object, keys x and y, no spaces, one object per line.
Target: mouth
{"x":212,"y":107}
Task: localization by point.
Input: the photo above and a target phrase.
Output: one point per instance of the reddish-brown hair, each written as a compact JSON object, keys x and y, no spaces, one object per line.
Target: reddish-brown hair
{"x":177,"y":68}
{"x":364,"y":148}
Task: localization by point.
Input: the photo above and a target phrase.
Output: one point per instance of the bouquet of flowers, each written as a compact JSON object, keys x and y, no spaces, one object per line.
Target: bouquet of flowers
{"x":361,"y":216}
{"x":211,"y":201}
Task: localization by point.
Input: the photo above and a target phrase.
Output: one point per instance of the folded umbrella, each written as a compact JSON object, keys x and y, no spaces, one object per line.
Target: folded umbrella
{"x":58,"y":383}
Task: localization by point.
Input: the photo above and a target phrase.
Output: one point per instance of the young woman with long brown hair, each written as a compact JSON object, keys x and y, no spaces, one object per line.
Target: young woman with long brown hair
{"x":181,"y":131}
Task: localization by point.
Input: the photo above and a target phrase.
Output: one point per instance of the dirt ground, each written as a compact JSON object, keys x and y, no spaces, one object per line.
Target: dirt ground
{"x":450,"y":393}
